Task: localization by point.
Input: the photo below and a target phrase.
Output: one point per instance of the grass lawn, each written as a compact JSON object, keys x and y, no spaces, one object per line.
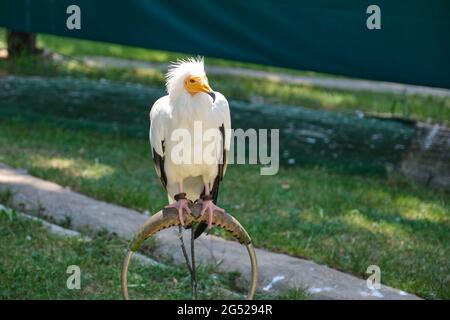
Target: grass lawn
{"x":239,"y":88}
{"x":80,"y":47}
{"x":34,"y":264}
{"x":346,"y":221}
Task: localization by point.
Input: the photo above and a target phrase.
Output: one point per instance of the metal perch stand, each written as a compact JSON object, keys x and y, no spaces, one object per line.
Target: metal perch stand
{"x":168,"y":218}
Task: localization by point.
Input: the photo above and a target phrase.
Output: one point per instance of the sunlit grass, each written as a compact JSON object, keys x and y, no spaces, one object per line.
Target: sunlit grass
{"x":345,"y":221}
{"x":79,"y":47}
{"x":34,"y":264}
{"x":77,"y":167}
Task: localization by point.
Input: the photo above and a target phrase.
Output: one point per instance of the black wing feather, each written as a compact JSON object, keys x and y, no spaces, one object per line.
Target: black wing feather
{"x":159,"y":166}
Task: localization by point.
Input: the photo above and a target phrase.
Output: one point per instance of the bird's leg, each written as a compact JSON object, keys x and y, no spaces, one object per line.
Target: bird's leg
{"x":188,"y":263}
{"x":194,"y":271}
{"x":208,"y":205}
{"x":182,"y":203}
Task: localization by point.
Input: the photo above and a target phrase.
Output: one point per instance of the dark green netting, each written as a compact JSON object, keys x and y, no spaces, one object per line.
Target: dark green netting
{"x":309,"y":137}
{"x":322,"y":35}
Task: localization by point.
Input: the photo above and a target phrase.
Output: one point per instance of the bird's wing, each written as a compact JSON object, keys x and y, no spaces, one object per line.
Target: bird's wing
{"x":223,"y":120}
{"x":224,"y":111}
{"x":222,"y":116}
{"x":159,"y":117}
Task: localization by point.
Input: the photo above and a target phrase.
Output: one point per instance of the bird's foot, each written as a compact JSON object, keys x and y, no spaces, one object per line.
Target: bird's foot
{"x":181,"y":204}
{"x":209,"y":207}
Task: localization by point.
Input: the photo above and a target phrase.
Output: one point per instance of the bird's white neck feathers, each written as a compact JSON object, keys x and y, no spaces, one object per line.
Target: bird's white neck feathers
{"x":178,"y":72}
{"x":185,"y":105}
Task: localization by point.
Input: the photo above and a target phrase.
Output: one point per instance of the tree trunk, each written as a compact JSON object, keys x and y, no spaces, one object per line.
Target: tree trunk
{"x":21,"y":43}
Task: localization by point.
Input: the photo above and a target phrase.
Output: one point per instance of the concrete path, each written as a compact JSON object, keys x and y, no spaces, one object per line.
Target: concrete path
{"x":324,"y":82}
{"x":277,"y":271}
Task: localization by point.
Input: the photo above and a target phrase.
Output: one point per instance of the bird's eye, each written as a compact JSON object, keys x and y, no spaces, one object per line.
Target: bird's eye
{"x":191,"y":80}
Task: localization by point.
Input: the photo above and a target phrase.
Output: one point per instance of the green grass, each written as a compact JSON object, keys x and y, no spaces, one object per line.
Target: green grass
{"x":346,"y":221}
{"x":79,"y":48}
{"x":34,"y":264}
{"x":415,"y":107}
{"x":118,"y":108}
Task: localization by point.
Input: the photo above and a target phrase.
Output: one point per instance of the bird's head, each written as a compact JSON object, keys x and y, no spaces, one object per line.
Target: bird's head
{"x":188,"y":77}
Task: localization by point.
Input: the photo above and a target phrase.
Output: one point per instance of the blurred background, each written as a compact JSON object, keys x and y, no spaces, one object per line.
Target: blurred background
{"x":363,"y":118}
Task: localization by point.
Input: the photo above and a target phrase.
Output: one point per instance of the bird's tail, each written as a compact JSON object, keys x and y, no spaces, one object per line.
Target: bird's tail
{"x":200,"y":229}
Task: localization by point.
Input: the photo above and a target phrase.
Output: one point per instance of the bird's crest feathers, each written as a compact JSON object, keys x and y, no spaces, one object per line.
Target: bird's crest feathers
{"x":180,"y":69}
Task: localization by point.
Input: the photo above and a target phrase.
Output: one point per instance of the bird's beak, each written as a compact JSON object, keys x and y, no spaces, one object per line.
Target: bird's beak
{"x":212,"y":94}
{"x":205,"y":88}
{"x":195,"y":84}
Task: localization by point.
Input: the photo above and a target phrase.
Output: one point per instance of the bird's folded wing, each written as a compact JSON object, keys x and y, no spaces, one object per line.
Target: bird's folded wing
{"x":224,"y":124}
{"x":222,"y":116}
{"x":159,"y":116}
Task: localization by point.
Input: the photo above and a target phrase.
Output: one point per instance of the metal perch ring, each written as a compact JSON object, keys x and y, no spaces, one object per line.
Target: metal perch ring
{"x":168,"y":217}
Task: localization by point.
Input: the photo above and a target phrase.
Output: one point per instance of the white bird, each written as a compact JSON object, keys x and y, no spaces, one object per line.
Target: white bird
{"x":190,"y":106}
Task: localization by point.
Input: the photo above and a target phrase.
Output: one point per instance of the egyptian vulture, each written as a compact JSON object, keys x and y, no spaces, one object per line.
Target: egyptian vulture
{"x":192,"y":168}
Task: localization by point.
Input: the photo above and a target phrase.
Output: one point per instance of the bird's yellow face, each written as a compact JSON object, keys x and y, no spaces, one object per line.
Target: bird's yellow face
{"x":196,"y":84}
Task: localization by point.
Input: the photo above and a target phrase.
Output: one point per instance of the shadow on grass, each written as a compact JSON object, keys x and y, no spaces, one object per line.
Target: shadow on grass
{"x":338,"y":141}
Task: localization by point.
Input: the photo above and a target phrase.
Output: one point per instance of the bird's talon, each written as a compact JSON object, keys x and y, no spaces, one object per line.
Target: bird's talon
{"x":180,"y":205}
{"x":210,"y":207}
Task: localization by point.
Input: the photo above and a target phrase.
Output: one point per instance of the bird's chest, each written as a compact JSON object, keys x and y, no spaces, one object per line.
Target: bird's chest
{"x":177,"y":170}
{"x":194,"y":149}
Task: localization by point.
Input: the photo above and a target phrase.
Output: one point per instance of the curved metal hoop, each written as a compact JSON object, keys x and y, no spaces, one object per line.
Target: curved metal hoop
{"x":169,"y":217}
